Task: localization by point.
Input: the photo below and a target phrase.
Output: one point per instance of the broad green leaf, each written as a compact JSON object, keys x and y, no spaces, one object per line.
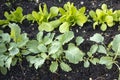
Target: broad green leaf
{"x":66,"y":37}
{"x":65,"y":67}
{"x":55,"y":46}
{"x":101,"y":49}
{"x":54,"y":66}
{"x":116,"y":43}
{"x":6,"y":37}
{"x":38,"y":62}
{"x":8,"y":62}
{"x":79,"y":40}
{"x":106,"y":60}
{"x":48,"y":38}
{"x":32,"y":46}
{"x":57,"y":54}
{"x":2,"y":48}
{"x":73,"y":54}
{"x":35,"y":15}
{"x":3,"y":70}
{"x":44,"y":55}
{"x":14,"y":51}
{"x":40,"y":36}
{"x":64,"y":27}
{"x":94,"y":48}
{"x":103,"y":27}
{"x":98,"y":38}
{"x":86,"y":64}
{"x":42,"y":48}
{"x":2,"y":59}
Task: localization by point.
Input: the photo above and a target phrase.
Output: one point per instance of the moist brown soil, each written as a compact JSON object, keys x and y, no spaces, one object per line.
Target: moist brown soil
{"x":22,"y":71}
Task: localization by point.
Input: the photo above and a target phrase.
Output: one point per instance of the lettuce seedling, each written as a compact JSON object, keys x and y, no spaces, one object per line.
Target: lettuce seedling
{"x":43,"y":18}
{"x":104,"y":16}
{"x":70,"y":15}
{"x":13,"y":16}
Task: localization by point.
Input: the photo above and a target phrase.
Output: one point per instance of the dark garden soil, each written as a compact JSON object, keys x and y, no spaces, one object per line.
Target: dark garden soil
{"x":22,"y":71}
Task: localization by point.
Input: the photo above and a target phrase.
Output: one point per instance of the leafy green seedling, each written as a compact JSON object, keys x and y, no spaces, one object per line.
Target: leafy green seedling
{"x":71,"y":16}
{"x":104,"y":16}
{"x":43,"y":18}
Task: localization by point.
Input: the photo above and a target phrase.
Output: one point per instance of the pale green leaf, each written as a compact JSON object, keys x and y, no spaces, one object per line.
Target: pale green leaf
{"x":94,"y":48}
{"x":73,"y":54}
{"x":98,"y":38}
{"x":66,"y":37}
{"x":103,"y":27}
{"x":86,"y":64}
{"x":56,"y":45}
{"x":42,"y":48}
{"x":79,"y":40}
{"x":2,"y":48}
{"x":54,"y":11}
{"x":64,"y":27}
{"x":3,"y":70}
{"x":101,"y":49}
{"x":65,"y":67}
{"x":54,"y":66}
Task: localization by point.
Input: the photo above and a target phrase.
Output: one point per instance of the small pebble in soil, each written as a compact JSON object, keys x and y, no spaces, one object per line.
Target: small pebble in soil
{"x":93,"y":4}
{"x":81,"y":2}
{"x":76,"y":30}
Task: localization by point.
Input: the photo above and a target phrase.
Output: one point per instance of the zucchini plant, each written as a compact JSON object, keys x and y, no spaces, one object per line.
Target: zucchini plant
{"x":104,"y":16}
{"x":45,"y":19}
{"x":70,"y":16}
{"x":11,"y":47}
{"x":13,"y":16}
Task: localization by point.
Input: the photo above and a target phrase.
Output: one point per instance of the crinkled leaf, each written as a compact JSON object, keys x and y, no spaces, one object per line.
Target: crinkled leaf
{"x":98,"y":38}
{"x":109,"y":20}
{"x":6,"y":37}
{"x":14,"y":51}
{"x":40,"y":36}
{"x":94,"y":61}
{"x":65,"y":67}
{"x":54,"y":66}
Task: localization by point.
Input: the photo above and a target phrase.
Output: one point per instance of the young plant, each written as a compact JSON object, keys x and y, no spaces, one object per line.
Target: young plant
{"x":43,"y":18}
{"x":111,"y":53}
{"x":71,"y":16}
{"x":13,"y":16}
{"x":11,"y":47}
{"x":104,"y":16}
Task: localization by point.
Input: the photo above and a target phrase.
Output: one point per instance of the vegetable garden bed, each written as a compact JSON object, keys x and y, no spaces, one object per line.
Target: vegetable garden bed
{"x":59,"y":40}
